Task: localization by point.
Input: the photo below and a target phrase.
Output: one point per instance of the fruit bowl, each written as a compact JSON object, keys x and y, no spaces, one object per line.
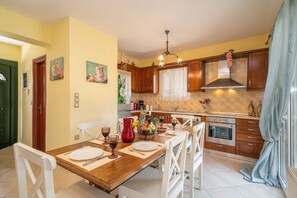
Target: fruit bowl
{"x":146,"y":134}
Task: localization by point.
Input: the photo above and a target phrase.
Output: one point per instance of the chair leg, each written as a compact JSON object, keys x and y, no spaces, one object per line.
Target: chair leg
{"x":191,"y":180}
{"x":200,"y":172}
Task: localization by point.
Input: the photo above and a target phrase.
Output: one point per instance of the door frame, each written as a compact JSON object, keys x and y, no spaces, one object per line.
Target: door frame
{"x":14,"y":100}
{"x":35,"y":140}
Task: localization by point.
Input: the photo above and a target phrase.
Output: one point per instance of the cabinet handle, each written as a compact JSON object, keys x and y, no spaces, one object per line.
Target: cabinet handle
{"x":250,"y":83}
{"x":251,"y":144}
{"x":251,"y":122}
{"x":251,"y":129}
{"x":220,"y":146}
{"x":250,"y":137}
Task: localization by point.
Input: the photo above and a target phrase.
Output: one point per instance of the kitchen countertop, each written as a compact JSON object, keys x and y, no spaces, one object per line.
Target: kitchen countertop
{"x":214,"y":114}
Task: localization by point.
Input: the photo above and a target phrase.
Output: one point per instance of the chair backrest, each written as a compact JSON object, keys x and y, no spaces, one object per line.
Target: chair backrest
{"x":85,"y":129}
{"x":197,"y":143}
{"x":121,"y":123}
{"x":188,"y":119}
{"x":174,"y":167}
{"x":24,"y":154}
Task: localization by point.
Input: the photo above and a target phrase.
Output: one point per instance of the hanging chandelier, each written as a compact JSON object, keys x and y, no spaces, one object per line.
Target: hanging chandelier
{"x":167,"y":53}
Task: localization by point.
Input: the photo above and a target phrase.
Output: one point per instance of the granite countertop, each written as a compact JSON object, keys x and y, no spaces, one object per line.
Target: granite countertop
{"x":214,"y":114}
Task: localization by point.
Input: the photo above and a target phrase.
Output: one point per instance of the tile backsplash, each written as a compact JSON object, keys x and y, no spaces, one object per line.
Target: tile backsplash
{"x":231,"y":100}
{"x":222,"y":100}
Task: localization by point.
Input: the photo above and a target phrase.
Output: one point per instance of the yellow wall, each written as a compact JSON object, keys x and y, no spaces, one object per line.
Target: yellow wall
{"x":256,"y":42}
{"x":18,"y":27}
{"x":97,"y":101}
{"x":28,"y":53}
{"x":57,"y":92}
{"x":13,"y":53}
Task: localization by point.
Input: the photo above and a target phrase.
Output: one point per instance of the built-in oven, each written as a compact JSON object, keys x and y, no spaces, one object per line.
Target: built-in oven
{"x":220,"y":130}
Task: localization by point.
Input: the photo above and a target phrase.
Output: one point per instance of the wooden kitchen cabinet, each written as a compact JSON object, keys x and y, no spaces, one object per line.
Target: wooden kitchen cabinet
{"x":249,"y":141}
{"x":136,"y":114}
{"x":220,"y":147}
{"x":134,"y":80}
{"x":257,"y":70}
{"x":149,"y":80}
{"x":167,"y":116}
{"x":195,"y":76}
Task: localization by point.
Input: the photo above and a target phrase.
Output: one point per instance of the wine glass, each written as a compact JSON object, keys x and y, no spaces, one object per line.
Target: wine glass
{"x":161,"y":120}
{"x":113,"y":142}
{"x":105,"y":132}
{"x":173,"y":122}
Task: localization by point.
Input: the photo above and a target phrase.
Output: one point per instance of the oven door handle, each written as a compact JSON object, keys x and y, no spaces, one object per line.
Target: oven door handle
{"x":230,"y":126}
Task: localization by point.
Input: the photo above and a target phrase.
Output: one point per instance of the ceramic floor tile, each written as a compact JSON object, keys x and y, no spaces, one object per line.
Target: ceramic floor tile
{"x":6,"y":187}
{"x":212,"y":181}
{"x":228,"y":192}
{"x":197,"y":193}
{"x":278,"y":192}
{"x":254,"y":190}
{"x":232,"y":177}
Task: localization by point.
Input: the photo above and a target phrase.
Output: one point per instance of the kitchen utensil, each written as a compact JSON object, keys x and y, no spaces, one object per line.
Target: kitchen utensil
{"x":94,"y":160}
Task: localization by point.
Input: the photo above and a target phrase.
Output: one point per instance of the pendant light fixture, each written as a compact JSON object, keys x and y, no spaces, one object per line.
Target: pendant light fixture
{"x":167,"y":53}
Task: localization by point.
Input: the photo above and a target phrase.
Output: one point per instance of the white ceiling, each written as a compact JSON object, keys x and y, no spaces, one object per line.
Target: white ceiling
{"x":139,"y":25}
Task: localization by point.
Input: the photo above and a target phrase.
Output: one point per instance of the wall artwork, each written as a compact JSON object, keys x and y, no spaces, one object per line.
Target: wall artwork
{"x":57,"y":69}
{"x":96,"y":72}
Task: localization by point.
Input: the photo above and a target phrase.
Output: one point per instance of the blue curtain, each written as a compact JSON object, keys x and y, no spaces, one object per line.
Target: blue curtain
{"x":281,"y":72}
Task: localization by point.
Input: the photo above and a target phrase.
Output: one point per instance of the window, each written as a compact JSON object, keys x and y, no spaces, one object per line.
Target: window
{"x":2,"y":77}
{"x":173,"y":84}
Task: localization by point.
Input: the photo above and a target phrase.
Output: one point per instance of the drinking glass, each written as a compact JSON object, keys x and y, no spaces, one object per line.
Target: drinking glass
{"x":161,"y":120}
{"x":173,"y":122}
{"x":113,"y":142}
{"x":105,"y":132}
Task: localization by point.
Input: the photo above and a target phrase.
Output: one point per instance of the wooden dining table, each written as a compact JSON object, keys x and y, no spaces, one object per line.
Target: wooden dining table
{"x":111,"y":175}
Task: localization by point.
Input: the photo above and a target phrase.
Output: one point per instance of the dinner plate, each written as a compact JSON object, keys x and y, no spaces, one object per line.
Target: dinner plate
{"x":173,"y":132}
{"x":162,"y":129}
{"x":145,"y":146}
{"x":85,"y":153}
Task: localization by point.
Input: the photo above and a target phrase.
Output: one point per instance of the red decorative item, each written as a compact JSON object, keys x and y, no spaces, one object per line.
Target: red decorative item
{"x":128,"y":134}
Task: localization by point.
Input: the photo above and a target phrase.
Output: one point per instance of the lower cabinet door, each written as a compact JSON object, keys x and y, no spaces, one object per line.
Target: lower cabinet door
{"x":248,"y":149}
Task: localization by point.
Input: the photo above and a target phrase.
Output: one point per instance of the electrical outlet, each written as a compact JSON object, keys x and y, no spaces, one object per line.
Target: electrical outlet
{"x":76,"y":137}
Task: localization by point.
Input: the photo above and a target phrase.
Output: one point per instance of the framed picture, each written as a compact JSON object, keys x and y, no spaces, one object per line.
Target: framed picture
{"x":96,"y":72}
{"x":57,"y":69}
{"x":25,"y":80}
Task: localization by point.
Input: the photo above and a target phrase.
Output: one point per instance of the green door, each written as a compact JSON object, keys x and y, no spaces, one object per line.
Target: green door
{"x":8,"y":103}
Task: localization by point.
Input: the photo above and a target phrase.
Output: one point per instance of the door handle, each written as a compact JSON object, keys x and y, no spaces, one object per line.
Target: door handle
{"x":40,"y":109}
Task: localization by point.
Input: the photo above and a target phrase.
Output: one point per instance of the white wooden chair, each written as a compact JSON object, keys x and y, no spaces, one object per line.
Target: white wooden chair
{"x":24,"y":154}
{"x":152,"y":182}
{"x":121,"y":123}
{"x":84,"y":129}
{"x":189,"y":119}
{"x":195,"y":157}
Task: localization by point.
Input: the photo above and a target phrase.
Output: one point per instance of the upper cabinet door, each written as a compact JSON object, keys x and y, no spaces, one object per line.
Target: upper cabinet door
{"x":149,"y":80}
{"x":195,"y":76}
{"x":257,"y":70}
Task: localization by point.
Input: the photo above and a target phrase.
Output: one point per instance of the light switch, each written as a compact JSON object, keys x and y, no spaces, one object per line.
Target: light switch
{"x":76,"y":100}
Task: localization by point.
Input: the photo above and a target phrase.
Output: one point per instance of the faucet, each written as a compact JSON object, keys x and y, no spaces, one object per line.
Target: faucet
{"x":176,"y":108}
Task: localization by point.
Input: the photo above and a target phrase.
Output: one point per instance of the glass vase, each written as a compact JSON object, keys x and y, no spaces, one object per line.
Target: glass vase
{"x":128,"y":134}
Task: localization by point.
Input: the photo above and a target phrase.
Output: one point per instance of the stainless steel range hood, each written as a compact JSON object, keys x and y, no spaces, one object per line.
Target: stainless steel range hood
{"x":224,"y":81}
